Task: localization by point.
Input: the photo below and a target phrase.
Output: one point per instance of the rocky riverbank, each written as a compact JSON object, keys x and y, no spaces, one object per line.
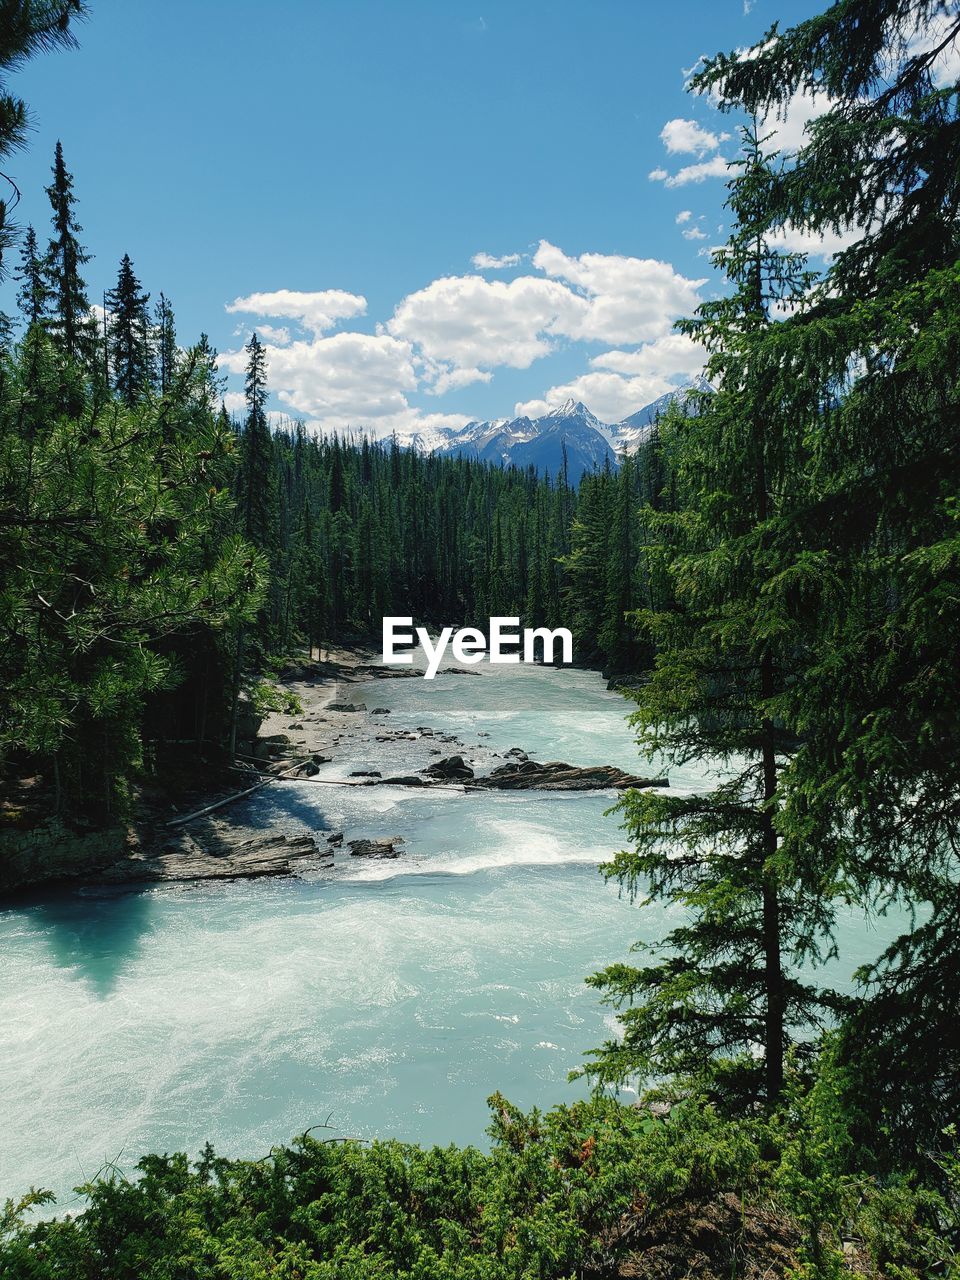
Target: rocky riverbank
{"x":207,"y":833}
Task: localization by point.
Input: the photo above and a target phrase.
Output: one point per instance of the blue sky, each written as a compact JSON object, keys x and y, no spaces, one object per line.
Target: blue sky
{"x":337,"y":166}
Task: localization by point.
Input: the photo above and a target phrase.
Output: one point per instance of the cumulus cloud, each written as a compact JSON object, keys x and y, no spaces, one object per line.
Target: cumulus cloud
{"x":489,"y":262}
{"x":627,"y":299}
{"x":347,"y":379}
{"x":458,"y":330}
{"x":235,"y":402}
{"x":470,"y":322}
{"x":686,"y":137}
{"x":715,"y":167}
{"x":317,"y":312}
{"x":621,"y":382}
{"x":683,"y":216}
{"x":270,"y":333}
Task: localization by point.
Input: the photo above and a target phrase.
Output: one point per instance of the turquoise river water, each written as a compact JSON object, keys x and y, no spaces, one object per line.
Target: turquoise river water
{"x":384,"y":998}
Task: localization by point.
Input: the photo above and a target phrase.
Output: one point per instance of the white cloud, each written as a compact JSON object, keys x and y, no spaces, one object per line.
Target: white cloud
{"x":465,"y":325}
{"x":686,"y":137}
{"x":315,"y":311}
{"x":488,"y":262}
{"x":279,"y":337}
{"x":469,"y":322}
{"x":715,"y":167}
{"x":235,"y":402}
{"x":621,"y":382}
{"x":628,"y":299}
{"x":684,"y":216}
{"x":817,"y":244}
{"x":694,"y":233}
{"x":450,"y":379}
{"x":347,"y":379}
{"x":786,"y":130}
{"x":458,"y":329}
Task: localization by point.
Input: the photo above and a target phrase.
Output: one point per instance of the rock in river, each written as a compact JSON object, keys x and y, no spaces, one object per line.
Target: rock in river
{"x":556,"y":775}
{"x":383,"y":848}
{"x":454,"y":768}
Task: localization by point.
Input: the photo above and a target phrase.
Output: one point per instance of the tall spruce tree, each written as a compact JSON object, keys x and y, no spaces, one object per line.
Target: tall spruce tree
{"x":33,"y":296}
{"x":872,"y":386}
{"x":70,"y":322}
{"x":257,"y":473}
{"x":129,"y":335}
{"x":722,"y":997}
{"x":166,"y":344}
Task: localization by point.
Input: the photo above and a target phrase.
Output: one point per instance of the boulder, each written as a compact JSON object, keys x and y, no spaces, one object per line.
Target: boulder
{"x":450,"y":768}
{"x":556,"y":775}
{"x":347,"y":706}
{"x":365,"y":773}
{"x":386,"y":847}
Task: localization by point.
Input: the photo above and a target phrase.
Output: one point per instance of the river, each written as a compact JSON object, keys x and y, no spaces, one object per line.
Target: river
{"x":382,"y":999}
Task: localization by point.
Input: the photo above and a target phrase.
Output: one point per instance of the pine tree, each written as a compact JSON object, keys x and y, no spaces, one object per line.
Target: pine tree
{"x":129,"y":335}
{"x":33,"y":296}
{"x":257,"y":475}
{"x":721,"y":1000}
{"x":166,"y":344}
{"x":70,"y":319}
{"x":876,"y":582}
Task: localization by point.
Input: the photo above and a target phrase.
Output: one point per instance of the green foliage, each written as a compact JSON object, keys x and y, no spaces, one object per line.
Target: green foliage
{"x":117,"y":527}
{"x":267,"y":696}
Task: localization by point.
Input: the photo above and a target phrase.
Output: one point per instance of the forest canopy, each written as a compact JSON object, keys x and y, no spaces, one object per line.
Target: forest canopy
{"x":776,"y":574}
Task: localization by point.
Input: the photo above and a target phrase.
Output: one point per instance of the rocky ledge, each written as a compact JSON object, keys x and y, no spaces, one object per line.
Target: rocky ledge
{"x":224,"y":859}
{"x":556,"y":775}
{"x":524,"y":774}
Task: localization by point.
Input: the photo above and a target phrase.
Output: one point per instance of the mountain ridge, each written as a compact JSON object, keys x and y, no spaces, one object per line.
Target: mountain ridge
{"x":569,"y":435}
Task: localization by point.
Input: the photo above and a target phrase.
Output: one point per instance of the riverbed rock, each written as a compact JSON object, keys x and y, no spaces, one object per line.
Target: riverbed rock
{"x":406,"y":780}
{"x":452,"y":768}
{"x":386,"y":847}
{"x":184,"y":859}
{"x":365,"y":773}
{"x":380,"y":711}
{"x":557,"y":775}
{"x":347,"y":706}
{"x":335,"y":838}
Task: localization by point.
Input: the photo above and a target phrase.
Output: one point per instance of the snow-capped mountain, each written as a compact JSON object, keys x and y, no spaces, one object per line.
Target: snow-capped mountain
{"x":539,"y":442}
{"x":571,"y":430}
{"x":626,"y":436}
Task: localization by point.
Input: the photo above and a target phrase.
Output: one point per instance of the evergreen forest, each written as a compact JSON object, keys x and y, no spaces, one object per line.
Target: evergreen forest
{"x":773,"y":578}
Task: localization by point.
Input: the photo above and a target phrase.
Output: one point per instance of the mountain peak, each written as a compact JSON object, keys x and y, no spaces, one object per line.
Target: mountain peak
{"x":569,"y":409}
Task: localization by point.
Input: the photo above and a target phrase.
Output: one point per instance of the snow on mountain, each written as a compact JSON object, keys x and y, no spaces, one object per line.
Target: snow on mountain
{"x":630,"y":433}
{"x":568,"y":435}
